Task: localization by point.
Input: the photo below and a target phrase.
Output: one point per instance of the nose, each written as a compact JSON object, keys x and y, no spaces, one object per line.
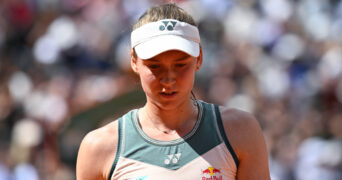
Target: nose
{"x":168,"y":77}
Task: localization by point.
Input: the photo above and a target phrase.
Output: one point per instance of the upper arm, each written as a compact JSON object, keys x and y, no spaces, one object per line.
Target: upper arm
{"x":96,"y":154}
{"x":246,"y":137}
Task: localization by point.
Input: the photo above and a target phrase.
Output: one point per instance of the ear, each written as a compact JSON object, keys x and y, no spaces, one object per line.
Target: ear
{"x":199,"y":60}
{"x":134,"y":61}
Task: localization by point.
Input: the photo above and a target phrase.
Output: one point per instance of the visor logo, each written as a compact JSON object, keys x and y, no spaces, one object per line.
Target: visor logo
{"x":169,"y":25}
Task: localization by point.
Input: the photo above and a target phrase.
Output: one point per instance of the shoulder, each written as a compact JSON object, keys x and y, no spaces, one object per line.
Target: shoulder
{"x":242,"y":129}
{"x":238,"y":118}
{"x":97,"y":152}
{"x":246,"y":138}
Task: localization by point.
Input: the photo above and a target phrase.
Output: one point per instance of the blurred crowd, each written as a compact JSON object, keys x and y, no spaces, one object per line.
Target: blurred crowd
{"x":278,"y":59}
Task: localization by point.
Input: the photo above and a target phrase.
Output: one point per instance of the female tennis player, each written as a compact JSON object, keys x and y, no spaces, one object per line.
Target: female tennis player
{"x":173,"y":136}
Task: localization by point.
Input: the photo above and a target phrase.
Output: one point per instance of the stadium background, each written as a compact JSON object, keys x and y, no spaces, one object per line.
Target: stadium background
{"x":64,"y":70}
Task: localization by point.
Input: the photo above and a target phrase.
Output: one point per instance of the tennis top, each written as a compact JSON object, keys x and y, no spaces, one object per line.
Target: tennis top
{"x":205,"y":153}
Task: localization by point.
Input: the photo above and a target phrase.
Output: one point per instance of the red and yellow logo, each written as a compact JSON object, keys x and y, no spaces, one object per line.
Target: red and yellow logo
{"x":211,"y":173}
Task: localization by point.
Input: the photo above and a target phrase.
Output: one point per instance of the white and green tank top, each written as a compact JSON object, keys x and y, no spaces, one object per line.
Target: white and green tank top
{"x":205,"y":153}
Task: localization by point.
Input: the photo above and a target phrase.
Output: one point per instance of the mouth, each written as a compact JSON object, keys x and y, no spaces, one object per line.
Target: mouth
{"x":168,"y":94}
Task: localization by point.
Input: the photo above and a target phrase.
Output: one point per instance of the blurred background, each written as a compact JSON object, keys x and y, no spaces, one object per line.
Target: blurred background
{"x":64,"y":71}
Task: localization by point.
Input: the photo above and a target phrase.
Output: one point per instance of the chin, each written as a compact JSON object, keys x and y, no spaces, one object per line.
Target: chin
{"x":169,"y":104}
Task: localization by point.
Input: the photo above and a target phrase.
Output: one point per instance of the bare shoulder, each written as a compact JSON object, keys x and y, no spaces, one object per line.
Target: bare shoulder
{"x":246,"y":137}
{"x":238,"y":118}
{"x":241,"y":127}
{"x":97,"y":152}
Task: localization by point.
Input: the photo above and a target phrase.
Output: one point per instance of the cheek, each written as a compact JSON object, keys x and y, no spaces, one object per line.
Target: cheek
{"x":187,"y":76}
{"x":147,"y":79}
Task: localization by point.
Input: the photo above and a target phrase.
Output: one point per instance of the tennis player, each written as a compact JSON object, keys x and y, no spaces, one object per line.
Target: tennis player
{"x":173,"y":136}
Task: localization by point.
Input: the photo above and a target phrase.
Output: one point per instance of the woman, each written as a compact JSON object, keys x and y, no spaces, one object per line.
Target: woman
{"x":173,"y":136}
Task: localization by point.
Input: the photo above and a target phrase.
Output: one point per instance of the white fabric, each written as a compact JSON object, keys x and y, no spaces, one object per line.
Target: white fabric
{"x":168,"y":34}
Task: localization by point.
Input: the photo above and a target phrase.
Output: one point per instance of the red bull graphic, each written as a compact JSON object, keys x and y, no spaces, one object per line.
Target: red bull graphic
{"x":211,"y":173}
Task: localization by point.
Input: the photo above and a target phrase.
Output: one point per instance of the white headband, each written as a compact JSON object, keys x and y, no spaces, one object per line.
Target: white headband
{"x":154,"y":38}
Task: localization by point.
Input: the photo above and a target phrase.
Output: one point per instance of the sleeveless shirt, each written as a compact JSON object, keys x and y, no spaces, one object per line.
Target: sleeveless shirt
{"x":205,"y":153}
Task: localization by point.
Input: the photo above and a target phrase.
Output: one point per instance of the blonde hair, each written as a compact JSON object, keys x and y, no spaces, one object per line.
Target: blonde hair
{"x":165,"y":11}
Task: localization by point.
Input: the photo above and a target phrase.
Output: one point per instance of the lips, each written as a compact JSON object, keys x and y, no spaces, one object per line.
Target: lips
{"x":168,"y":94}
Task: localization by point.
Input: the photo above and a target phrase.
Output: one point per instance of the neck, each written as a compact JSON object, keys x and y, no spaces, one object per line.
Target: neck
{"x":178,"y":120}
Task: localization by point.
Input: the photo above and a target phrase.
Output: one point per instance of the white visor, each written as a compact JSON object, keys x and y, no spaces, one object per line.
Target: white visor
{"x":168,"y":34}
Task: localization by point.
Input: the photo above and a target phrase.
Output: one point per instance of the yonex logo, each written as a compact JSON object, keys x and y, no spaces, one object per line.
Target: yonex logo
{"x":174,"y":158}
{"x":169,"y":25}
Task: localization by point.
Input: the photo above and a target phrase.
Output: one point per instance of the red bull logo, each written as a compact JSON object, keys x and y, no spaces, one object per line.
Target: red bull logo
{"x":211,"y":174}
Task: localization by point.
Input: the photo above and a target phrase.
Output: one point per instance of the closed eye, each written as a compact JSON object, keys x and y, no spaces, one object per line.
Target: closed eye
{"x":180,"y":65}
{"x":153,"y":66}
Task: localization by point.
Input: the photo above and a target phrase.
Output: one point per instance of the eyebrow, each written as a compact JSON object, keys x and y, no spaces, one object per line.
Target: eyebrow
{"x":179,"y":59}
{"x":183,"y":58}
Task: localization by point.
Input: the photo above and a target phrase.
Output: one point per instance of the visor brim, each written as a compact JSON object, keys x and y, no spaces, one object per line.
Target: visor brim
{"x":160,"y":44}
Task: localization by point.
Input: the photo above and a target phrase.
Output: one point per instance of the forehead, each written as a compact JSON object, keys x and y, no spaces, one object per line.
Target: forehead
{"x":172,"y":55}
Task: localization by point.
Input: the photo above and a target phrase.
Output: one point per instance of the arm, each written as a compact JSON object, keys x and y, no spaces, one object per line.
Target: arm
{"x":245,"y":135}
{"x":97,"y":152}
